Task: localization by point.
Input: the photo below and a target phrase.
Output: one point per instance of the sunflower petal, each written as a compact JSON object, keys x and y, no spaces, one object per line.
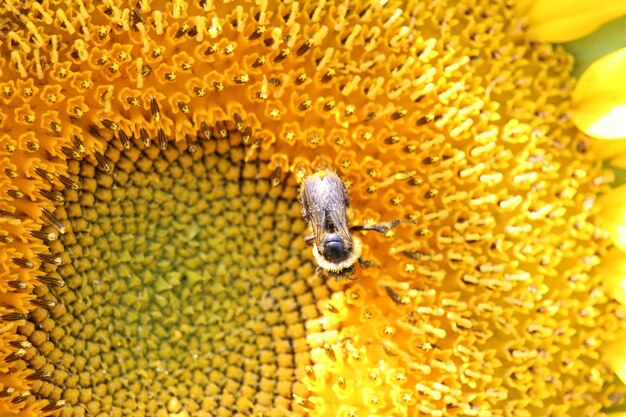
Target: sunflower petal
{"x":563,"y":21}
{"x":613,"y":271}
{"x":613,"y":218}
{"x":599,"y":100}
{"x":619,"y":164}
{"x":587,"y":50}
{"x":614,"y":356}
{"x":612,"y":150}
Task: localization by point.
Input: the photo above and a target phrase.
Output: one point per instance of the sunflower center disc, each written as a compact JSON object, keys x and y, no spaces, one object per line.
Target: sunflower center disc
{"x":187,"y":289}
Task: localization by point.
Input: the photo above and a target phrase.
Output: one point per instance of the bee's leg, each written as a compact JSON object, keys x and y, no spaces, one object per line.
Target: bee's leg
{"x":346,"y":277}
{"x":366,"y":264}
{"x":309,"y":240}
{"x":381,"y":227}
{"x":319,"y":273}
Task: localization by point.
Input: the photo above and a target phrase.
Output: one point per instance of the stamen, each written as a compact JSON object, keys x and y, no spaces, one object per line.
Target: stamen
{"x":18,"y":285}
{"x":6,"y":238}
{"x":54,"y":196}
{"x":395,"y":297}
{"x":70,"y":152}
{"x":303,"y":402}
{"x":21,"y":397}
{"x":258,"y":32}
{"x":252,"y":150}
{"x":330,"y":352}
{"x":305,"y":47}
{"x":43,"y":303}
{"x":276,"y":177}
{"x":51,"y":259}
{"x":239,"y":125}
{"x":7,"y":392}
{"x":283,"y":54}
{"x":23,"y":263}
{"x":53,"y":406}
{"x":205,"y":130}
{"x":17,"y":194}
{"x":20,"y":344}
{"x":103,"y":163}
{"x":162,"y":139}
{"x":109,"y":124}
{"x":78,"y":144}
{"x":15,"y":316}
{"x":221,"y":129}
{"x":145,"y":137}
{"x":154,"y":109}
{"x":191,"y":146}
{"x":124,"y":139}
{"x":51,"y":281}
{"x":68,"y":183}
{"x":15,"y":355}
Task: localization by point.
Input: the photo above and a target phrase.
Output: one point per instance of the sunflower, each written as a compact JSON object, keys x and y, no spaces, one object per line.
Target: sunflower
{"x":153,"y":254}
{"x":596,"y":37}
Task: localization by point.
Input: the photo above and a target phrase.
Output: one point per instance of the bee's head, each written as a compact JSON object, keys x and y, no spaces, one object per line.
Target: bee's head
{"x":334,"y":249}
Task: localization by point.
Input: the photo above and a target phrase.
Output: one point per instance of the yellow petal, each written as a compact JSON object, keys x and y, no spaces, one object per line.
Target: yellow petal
{"x":614,"y":356}
{"x":619,"y":162}
{"x":599,"y":100}
{"x":613,"y":218}
{"x":613,"y":271}
{"x":607,"y":150}
{"x":563,"y":21}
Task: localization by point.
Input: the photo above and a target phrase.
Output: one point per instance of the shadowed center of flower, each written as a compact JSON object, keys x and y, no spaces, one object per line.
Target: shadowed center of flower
{"x":186,"y":288}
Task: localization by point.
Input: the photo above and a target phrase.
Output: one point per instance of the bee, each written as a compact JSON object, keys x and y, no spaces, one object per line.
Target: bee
{"x":324,"y":199}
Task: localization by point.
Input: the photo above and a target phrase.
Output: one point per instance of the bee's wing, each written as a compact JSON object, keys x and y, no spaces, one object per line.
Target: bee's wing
{"x":313,"y":207}
{"x":338,"y":202}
